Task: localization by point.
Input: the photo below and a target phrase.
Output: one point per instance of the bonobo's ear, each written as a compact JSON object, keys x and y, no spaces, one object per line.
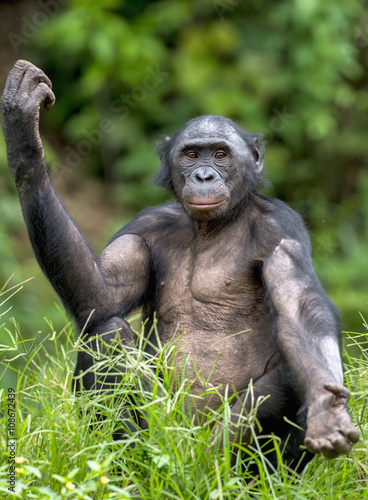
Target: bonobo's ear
{"x":257,"y":147}
{"x":163,"y":147}
{"x":163,"y":176}
{"x":256,"y":144}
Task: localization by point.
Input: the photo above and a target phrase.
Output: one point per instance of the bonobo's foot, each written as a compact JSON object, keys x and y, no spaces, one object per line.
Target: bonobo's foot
{"x":329,"y":427}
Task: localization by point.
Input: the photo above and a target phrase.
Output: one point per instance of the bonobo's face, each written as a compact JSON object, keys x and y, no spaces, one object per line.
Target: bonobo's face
{"x":210,"y":166}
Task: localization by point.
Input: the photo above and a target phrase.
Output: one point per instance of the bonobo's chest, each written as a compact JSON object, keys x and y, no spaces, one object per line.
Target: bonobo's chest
{"x":225,"y":274}
{"x":204,"y":281}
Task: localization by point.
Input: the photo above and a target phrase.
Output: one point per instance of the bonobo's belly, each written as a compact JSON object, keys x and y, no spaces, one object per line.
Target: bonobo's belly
{"x":219,"y":346}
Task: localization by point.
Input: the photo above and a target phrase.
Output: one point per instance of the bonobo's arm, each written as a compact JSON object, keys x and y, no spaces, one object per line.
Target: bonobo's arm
{"x":308,"y":335}
{"x":84,"y":284}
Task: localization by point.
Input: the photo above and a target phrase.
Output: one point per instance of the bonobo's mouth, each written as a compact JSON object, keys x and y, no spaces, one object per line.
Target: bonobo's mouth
{"x":205,"y":204}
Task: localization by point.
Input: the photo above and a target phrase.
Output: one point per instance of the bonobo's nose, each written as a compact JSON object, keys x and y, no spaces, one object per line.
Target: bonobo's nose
{"x":204,"y":174}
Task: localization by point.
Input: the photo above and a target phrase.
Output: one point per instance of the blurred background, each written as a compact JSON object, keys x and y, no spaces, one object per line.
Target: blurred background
{"x":125,"y":73}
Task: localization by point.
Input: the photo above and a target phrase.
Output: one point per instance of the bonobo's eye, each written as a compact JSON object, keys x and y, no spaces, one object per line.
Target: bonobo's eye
{"x":220,"y":155}
{"x":192,"y":155}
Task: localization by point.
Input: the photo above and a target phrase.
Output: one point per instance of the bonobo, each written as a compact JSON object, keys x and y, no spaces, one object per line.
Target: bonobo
{"x":226,"y":266}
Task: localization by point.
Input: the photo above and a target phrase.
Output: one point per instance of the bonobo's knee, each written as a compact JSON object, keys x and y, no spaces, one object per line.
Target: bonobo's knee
{"x":107,"y":338}
{"x":110,"y":329}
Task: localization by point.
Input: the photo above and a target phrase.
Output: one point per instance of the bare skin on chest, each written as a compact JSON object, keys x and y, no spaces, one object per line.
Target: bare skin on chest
{"x":203,"y":295}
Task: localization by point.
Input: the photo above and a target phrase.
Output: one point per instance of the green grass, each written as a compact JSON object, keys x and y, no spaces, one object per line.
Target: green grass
{"x":64,"y":451}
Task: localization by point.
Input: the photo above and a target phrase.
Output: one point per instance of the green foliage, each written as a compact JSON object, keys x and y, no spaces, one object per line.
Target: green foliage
{"x":127,"y":73}
{"x":65,"y":451}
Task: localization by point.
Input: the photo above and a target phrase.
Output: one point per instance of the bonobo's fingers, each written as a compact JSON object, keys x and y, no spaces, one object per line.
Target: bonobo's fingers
{"x":43,"y":93}
{"x":329,"y":427}
{"x":38,"y":86}
{"x":32,"y":77}
{"x":16,"y":75}
{"x":331,"y":447}
{"x":26,"y":88}
{"x":338,"y":390}
{"x":341,"y":392}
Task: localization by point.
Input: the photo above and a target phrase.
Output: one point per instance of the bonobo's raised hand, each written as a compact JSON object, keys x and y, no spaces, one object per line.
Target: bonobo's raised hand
{"x":330,"y":430}
{"x":26,"y":87}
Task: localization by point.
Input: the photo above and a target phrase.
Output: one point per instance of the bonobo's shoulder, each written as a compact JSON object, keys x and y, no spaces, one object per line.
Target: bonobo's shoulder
{"x":274,"y":218}
{"x":276,"y":209}
{"x":156,"y":220}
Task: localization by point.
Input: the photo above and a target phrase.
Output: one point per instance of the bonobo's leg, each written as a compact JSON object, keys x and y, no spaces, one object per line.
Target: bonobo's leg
{"x":281,"y":400}
{"x":112,"y":336}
